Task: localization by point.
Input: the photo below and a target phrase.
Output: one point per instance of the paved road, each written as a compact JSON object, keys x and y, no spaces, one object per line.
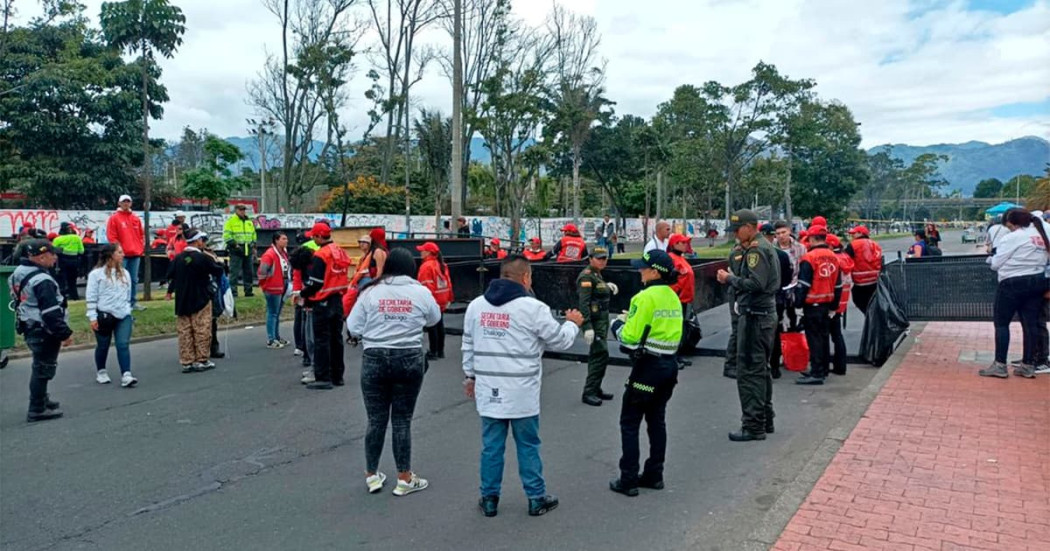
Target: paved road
{"x":244,"y":458}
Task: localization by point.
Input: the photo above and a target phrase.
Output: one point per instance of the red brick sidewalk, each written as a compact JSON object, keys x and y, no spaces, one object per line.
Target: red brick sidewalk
{"x":943,"y":459}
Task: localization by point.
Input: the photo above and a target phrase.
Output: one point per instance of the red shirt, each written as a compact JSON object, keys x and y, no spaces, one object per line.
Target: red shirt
{"x":437,"y":280}
{"x":685,"y":286}
{"x":846,"y":264}
{"x":126,"y":228}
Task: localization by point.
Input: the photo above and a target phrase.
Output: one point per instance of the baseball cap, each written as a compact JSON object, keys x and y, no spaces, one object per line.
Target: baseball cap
{"x":767,"y":229}
{"x":817,"y":231}
{"x":429,"y":247}
{"x":494,"y":241}
{"x":834,"y":241}
{"x":35,"y":247}
{"x":600,"y":252}
{"x":819,"y":221}
{"x":364,"y":239}
{"x":241,"y":206}
{"x":740,"y":218}
{"x":535,"y":240}
{"x":802,"y":233}
{"x":862,"y":229}
{"x":570,"y":227}
{"x":123,"y":198}
{"x":179,"y":213}
{"x":676,"y":239}
{"x":655,"y":259}
{"x":320,"y":230}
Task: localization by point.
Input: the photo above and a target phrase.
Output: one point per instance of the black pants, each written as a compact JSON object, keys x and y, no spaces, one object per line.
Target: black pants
{"x":1041,"y":353}
{"x":838,"y":342}
{"x":390,"y":383}
{"x":68,"y":270}
{"x":729,"y":368}
{"x":328,"y":340}
{"x":862,"y":296}
{"x":45,"y":350}
{"x":754,"y":381}
{"x":215,"y":350}
{"x":241,"y":269}
{"x":651,"y":406}
{"x":1023,"y":296}
{"x":818,"y":333}
{"x":436,"y":336}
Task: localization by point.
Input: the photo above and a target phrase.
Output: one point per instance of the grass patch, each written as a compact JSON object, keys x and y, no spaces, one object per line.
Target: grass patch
{"x":159,"y":318}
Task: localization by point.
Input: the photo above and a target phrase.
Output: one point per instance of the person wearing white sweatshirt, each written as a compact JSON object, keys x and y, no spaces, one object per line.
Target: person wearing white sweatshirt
{"x":388,"y":319}
{"x":1020,"y":259}
{"x":108,"y":297}
{"x":505,"y":332}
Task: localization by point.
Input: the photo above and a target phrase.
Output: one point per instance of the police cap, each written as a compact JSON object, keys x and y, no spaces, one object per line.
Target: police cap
{"x":742,"y":217}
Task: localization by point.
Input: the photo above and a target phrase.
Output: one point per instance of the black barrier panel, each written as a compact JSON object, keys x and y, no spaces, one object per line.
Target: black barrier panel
{"x":451,"y":249}
{"x":961,"y":289}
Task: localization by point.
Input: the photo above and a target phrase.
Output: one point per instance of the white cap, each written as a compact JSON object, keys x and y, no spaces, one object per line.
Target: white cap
{"x":123,"y":198}
{"x":179,"y":213}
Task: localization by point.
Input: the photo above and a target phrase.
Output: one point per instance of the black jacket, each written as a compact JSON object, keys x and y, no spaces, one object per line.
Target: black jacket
{"x":190,"y":277}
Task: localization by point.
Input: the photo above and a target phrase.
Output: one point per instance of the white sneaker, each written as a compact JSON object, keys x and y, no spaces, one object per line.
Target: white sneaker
{"x":102,"y":377}
{"x":375,"y":482}
{"x":416,"y":484}
{"x":297,"y":352}
{"x":1042,"y":369}
{"x":308,"y":377}
{"x":126,"y":380}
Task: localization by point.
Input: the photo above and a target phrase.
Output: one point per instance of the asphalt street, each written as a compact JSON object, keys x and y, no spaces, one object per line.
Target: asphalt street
{"x":243,"y":457}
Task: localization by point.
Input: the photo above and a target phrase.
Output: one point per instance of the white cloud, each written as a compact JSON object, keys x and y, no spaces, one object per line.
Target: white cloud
{"x":912,"y":71}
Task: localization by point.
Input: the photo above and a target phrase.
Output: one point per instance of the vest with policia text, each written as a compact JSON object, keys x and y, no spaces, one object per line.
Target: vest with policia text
{"x":658,"y":307}
{"x":867,"y":261}
{"x":336,"y":272}
{"x":825,"y":272}
{"x":571,"y":248}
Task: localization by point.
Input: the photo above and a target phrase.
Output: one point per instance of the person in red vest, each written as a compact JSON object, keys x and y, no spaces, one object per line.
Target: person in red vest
{"x":867,"y":263}
{"x":433,"y":274}
{"x":124,"y":227}
{"x":89,"y":236}
{"x":535,"y":252}
{"x":571,"y":247}
{"x":819,"y":289}
{"x":838,"y":341}
{"x":160,"y":240}
{"x":173,"y":232}
{"x":685,"y":284}
{"x":323,"y":291}
{"x":494,"y":251}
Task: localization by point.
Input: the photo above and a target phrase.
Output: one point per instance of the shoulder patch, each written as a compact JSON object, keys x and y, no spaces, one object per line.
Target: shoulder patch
{"x":585,"y":283}
{"x":752,"y":260}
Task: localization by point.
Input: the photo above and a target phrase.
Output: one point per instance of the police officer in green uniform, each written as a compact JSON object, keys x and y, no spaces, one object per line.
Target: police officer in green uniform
{"x":594,"y":293}
{"x":755,"y":283}
{"x":650,"y":332}
{"x":736,"y":255}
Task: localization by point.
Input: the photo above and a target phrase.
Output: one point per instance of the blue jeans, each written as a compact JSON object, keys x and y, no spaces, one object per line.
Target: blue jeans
{"x":526,"y":440}
{"x":132,"y":266}
{"x":122,"y":333}
{"x":274,"y":305}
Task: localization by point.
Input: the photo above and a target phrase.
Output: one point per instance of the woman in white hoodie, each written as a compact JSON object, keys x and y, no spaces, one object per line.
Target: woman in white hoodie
{"x":389,"y":317}
{"x":109,"y":309}
{"x":1021,"y":258}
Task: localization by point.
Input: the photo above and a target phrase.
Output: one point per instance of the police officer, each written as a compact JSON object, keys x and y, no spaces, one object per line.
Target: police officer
{"x":323,"y":292}
{"x":42,"y":320}
{"x":239,"y":235}
{"x":819,"y":291}
{"x":650,"y":333}
{"x":594,"y":294}
{"x":755,"y":284}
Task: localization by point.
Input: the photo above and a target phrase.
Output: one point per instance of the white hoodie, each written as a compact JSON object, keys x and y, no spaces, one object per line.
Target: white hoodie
{"x":503,"y":346}
{"x":393,"y":313}
{"x":1020,"y":253}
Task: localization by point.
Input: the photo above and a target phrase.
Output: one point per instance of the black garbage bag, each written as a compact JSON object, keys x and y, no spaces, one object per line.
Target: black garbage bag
{"x":884,"y":325}
{"x":691,"y":335}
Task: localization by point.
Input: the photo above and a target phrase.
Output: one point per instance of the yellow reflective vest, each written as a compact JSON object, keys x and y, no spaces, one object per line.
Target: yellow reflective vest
{"x":658,"y":307}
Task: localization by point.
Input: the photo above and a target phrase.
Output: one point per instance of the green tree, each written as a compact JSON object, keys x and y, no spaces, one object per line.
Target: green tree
{"x":987,"y":188}
{"x":214,"y":179}
{"x":886,"y":172}
{"x":69,"y":112}
{"x":146,"y":27}
{"x":434,"y":136}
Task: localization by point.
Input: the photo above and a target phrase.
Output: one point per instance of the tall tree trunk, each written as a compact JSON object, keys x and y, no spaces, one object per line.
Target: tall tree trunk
{"x":457,"y":196}
{"x":147,"y":172}
{"x":659,"y":194}
{"x":289,"y":118}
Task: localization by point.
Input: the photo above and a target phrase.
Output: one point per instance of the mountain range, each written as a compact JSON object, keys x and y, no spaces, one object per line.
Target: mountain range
{"x":968,"y":163}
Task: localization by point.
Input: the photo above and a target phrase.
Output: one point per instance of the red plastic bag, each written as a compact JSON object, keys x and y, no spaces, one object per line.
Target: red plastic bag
{"x":795,"y":350}
{"x":349,"y":300}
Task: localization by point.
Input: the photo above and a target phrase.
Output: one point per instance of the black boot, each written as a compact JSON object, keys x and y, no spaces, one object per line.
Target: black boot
{"x":542,"y":505}
{"x":605,"y":395}
{"x":47,"y":414}
{"x":653,"y":482}
{"x":591,"y":400}
{"x":49,"y":404}
{"x":618,"y":486}
{"x":745,"y":435}
{"x":489,"y":505}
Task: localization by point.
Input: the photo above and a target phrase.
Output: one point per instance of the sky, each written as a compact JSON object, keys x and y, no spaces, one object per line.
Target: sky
{"x":919,"y":72}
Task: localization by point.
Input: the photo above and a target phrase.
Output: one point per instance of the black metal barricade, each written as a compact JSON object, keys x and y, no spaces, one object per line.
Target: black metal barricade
{"x":944,"y":288}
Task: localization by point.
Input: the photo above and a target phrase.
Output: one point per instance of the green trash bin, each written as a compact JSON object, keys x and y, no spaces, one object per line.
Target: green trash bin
{"x":7,"y":315}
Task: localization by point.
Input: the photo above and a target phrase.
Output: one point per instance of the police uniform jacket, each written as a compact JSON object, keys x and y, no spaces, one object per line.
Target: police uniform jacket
{"x":594,"y":295}
{"x":755,"y":276}
{"x":657,"y":306}
{"x":41,"y":305}
{"x":505,"y":332}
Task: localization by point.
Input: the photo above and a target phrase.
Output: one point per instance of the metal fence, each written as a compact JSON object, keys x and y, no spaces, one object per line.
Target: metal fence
{"x":944,"y":288}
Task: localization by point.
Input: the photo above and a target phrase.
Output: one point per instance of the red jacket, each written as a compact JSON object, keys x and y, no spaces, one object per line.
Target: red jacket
{"x":867,"y":261}
{"x":685,"y":286}
{"x":571,"y":249}
{"x":534,"y":256}
{"x":846,"y":265}
{"x":336,"y":275}
{"x":272,"y":272}
{"x":437,"y":280}
{"x":172,"y":233}
{"x":126,"y":228}
{"x":825,"y":275}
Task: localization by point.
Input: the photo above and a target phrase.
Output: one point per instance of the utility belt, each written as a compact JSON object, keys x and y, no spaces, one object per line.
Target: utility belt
{"x":27,"y":327}
{"x":755,"y":310}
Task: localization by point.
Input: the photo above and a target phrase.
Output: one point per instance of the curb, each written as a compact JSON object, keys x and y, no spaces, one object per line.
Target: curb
{"x":136,"y":340}
{"x":790,"y":499}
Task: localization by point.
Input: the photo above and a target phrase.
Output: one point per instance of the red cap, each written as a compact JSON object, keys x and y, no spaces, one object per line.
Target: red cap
{"x":159,"y":232}
{"x":319,"y":230}
{"x":570,"y":228}
{"x":819,"y":221}
{"x":833,"y":241}
{"x":802,"y":233}
{"x":494,"y":241}
{"x":817,"y":231}
{"x":28,"y":225}
{"x":535,"y":240}
{"x":676,"y":239}
{"x":51,"y":236}
{"x":862,"y":229}
{"x":429,"y":247}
